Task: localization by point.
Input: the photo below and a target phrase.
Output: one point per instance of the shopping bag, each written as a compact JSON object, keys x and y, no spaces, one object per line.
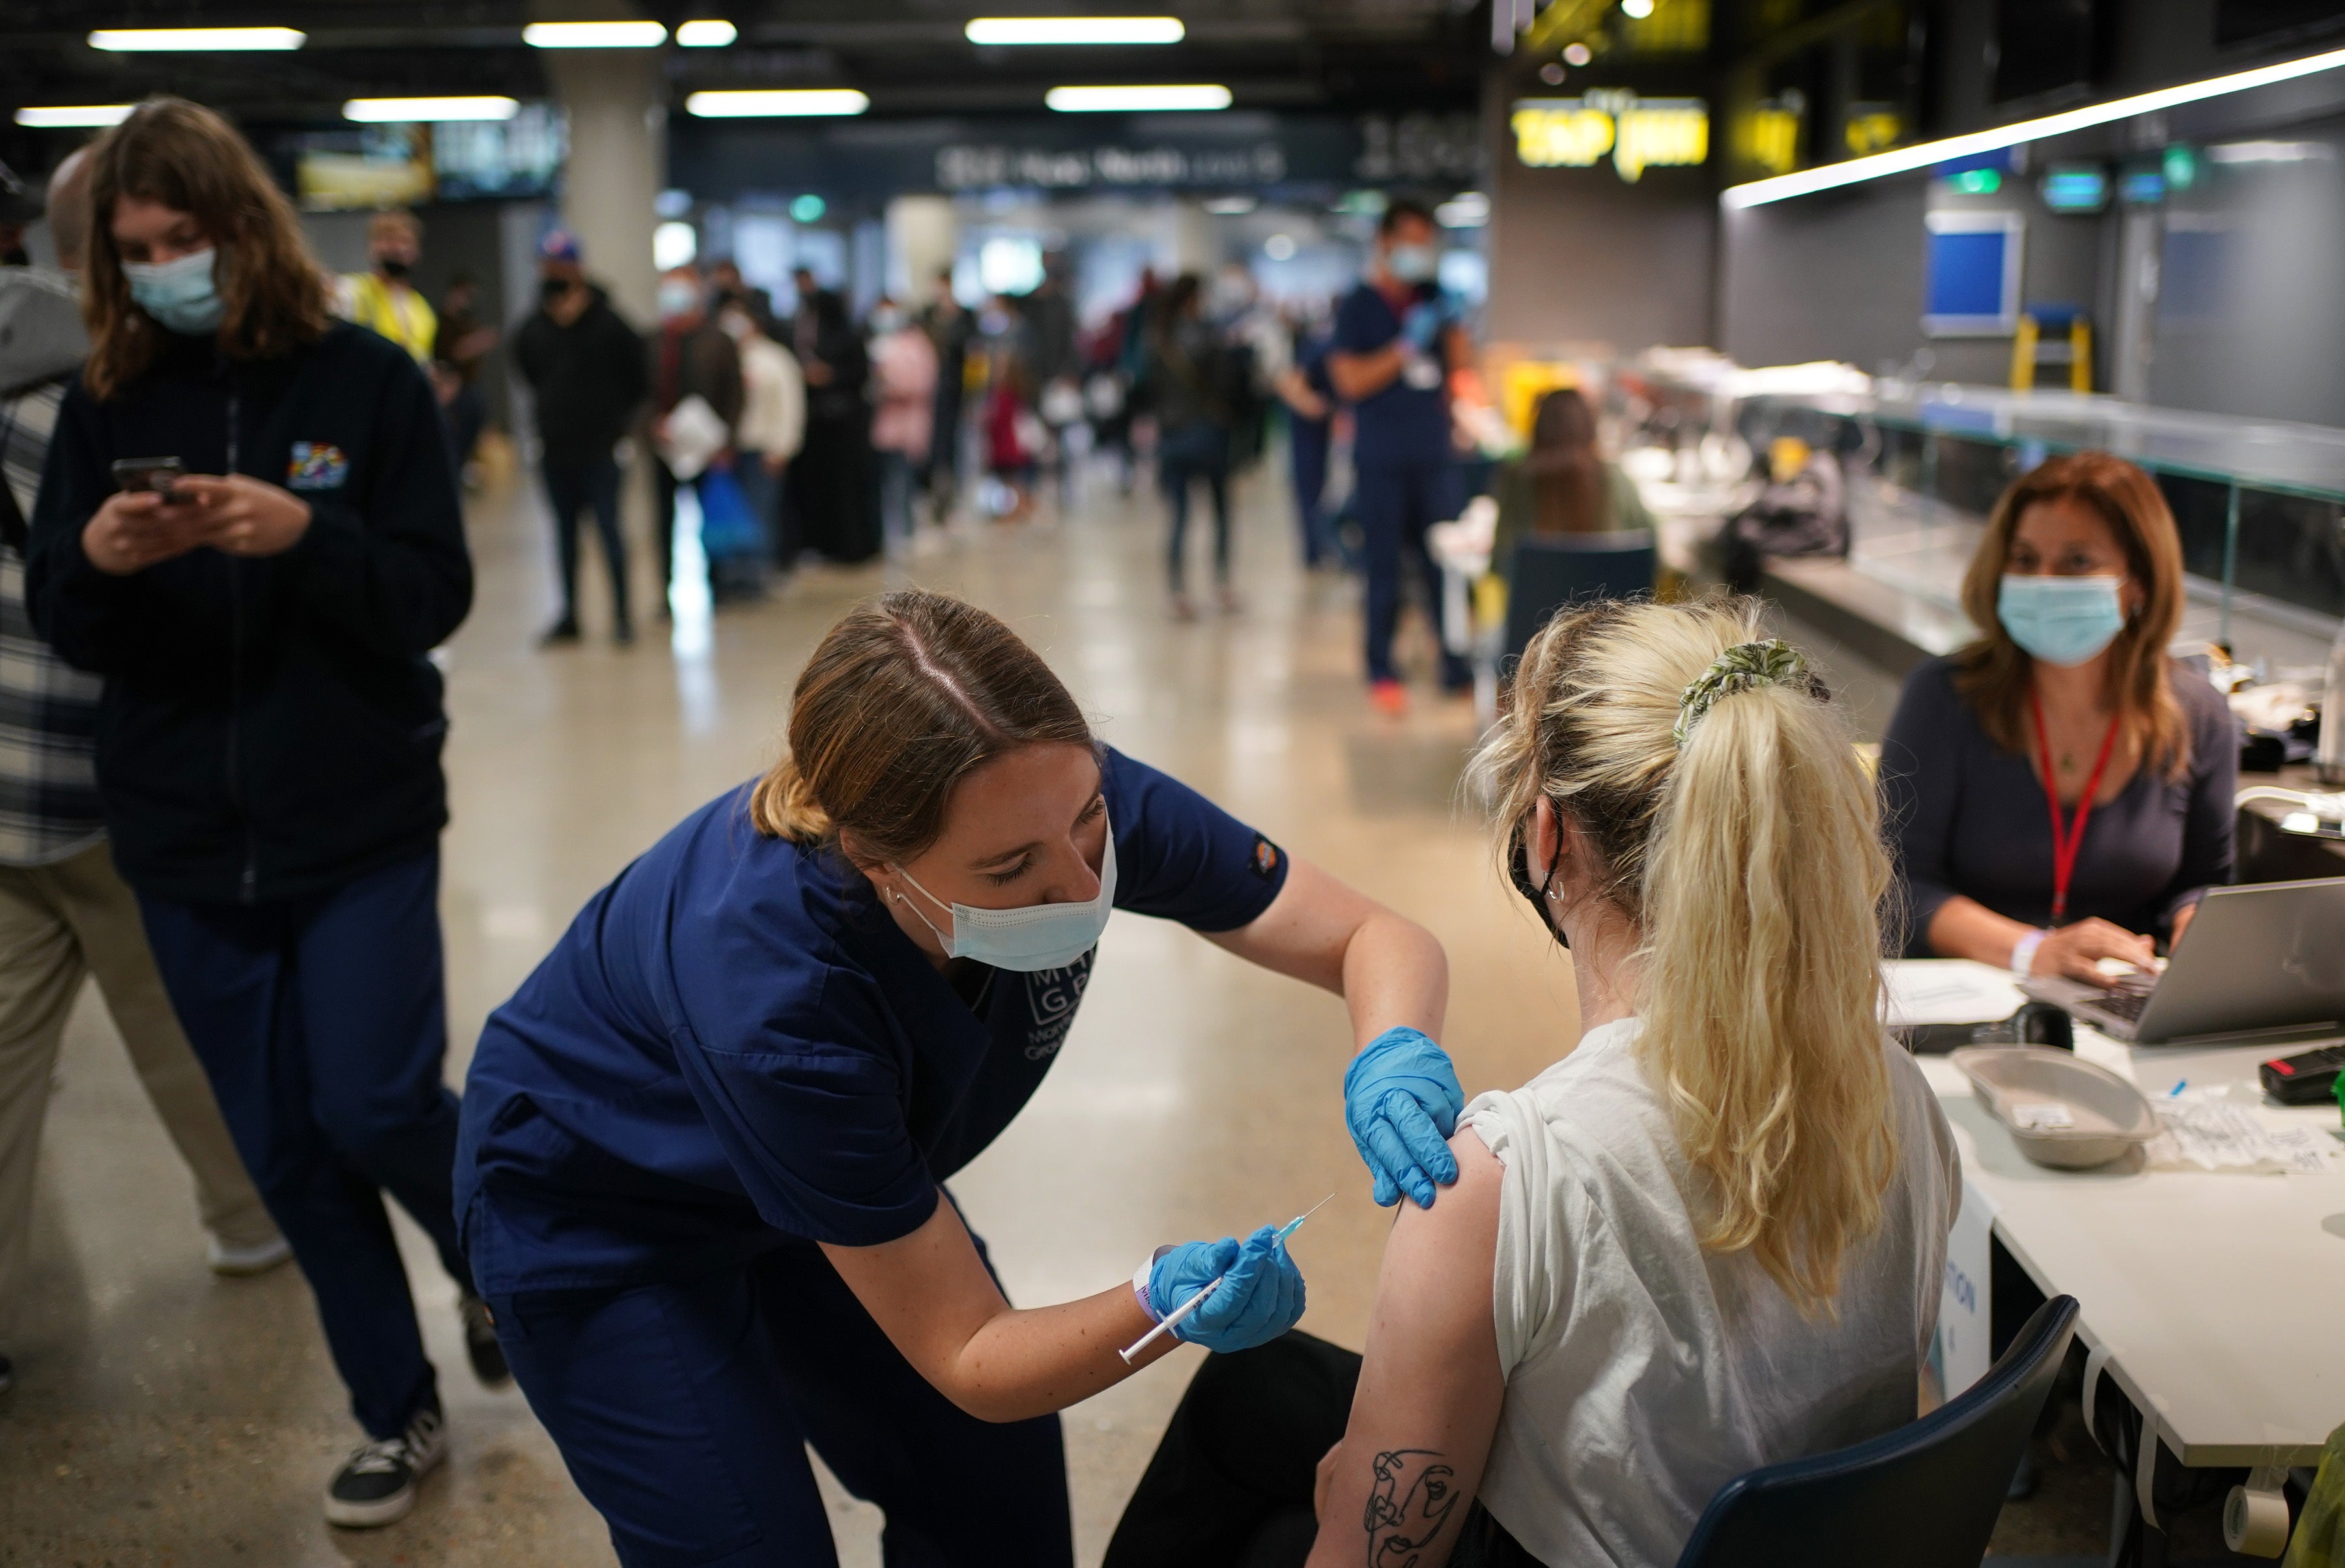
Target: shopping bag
{"x":729,"y":526}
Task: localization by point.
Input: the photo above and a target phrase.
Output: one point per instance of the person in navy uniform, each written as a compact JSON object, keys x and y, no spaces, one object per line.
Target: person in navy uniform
{"x":703,"y":1146}
{"x":1398,"y":338}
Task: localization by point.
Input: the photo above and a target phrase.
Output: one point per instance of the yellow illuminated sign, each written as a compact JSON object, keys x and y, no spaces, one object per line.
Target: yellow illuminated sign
{"x":1771,"y":137}
{"x":1640,"y":133}
{"x":1872,"y":131}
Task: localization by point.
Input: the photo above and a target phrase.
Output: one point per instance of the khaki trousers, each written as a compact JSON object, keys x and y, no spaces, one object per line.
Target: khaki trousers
{"x":58,"y":924}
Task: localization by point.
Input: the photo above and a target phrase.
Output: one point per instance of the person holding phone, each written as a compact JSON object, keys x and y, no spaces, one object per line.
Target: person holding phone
{"x":260,"y":601}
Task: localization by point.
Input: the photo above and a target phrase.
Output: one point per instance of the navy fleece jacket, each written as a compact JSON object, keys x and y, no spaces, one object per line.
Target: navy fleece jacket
{"x":270,"y":728}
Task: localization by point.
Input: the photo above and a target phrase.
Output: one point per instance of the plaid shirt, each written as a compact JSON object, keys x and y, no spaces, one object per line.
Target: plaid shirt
{"x":48,"y":709}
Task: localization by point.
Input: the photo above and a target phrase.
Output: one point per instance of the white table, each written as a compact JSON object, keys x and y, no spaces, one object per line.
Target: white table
{"x":2212,"y":1300}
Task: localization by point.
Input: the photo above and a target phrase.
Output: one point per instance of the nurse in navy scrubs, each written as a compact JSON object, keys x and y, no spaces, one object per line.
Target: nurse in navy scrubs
{"x":702,"y":1148}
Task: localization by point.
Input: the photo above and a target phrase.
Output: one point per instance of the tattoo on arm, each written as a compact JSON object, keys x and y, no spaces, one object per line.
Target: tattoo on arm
{"x":1408,"y":1502}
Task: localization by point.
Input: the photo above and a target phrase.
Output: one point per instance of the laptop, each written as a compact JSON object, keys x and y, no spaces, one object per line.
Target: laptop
{"x":2261,"y":961}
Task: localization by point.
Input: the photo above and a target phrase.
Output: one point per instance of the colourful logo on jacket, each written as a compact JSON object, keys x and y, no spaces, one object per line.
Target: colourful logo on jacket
{"x":316,"y":465}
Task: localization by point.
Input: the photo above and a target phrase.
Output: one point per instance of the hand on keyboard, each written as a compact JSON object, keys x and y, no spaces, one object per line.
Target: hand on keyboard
{"x":2076,"y":951}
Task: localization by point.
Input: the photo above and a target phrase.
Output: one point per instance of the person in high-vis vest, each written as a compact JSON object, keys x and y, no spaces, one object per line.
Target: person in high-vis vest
{"x":381,"y":300}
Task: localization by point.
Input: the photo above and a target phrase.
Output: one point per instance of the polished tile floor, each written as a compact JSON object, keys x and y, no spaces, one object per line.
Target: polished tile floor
{"x":164,"y":1415}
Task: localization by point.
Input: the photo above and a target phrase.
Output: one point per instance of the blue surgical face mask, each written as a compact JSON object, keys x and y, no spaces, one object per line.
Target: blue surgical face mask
{"x":2061,"y":620}
{"x":1413,"y":264}
{"x":180,"y":295}
{"x":1027,"y":939}
{"x":677,"y":299}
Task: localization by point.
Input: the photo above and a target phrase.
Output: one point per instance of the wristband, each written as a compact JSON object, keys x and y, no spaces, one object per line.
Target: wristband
{"x":2023,"y":952}
{"x":1140,"y":1283}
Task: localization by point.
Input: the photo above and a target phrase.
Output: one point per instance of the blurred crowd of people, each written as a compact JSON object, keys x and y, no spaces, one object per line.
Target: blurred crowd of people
{"x":812,"y":434}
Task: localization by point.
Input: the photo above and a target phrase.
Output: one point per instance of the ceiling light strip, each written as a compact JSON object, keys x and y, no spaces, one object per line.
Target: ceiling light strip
{"x":1904,"y":159}
{"x":431,"y":111}
{"x":594,"y":34}
{"x":162,"y":40}
{"x":1065,"y":30}
{"x":783,"y":102}
{"x":1138,"y":100}
{"x":56,"y":117}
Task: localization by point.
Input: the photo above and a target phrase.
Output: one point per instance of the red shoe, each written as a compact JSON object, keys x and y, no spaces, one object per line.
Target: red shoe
{"x":1388,"y":697}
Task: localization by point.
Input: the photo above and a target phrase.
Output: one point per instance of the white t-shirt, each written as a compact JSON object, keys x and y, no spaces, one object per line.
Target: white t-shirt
{"x":1642,"y":1374}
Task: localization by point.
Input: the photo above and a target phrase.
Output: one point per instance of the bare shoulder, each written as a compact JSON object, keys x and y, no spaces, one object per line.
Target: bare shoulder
{"x":1432,"y":1250}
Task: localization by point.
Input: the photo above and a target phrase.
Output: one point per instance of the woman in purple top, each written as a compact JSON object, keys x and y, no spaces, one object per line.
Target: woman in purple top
{"x":2078,"y":589}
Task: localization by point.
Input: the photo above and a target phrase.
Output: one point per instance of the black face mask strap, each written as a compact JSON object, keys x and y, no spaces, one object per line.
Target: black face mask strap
{"x":1540,"y":897}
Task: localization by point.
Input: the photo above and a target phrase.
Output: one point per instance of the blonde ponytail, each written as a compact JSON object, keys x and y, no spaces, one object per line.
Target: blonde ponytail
{"x":1749,"y":858}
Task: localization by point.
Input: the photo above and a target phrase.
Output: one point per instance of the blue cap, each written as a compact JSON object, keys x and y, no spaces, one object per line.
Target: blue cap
{"x":560,"y":245}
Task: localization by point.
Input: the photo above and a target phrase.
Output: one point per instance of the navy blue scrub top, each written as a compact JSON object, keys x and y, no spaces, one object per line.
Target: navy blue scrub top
{"x":734,"y":1046}
{"x":1398,"y":425}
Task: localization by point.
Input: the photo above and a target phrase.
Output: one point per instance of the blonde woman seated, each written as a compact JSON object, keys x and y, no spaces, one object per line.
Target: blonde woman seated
{"x":1709,"y":1238}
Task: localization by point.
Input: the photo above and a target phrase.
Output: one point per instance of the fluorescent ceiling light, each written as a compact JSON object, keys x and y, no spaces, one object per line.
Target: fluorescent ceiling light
{"x":594,"y":34}
{"x":415,"y":111}
{"x":1075,"y":30}
{"x":1136,"y":99}
{"x":2269,"y":152}
{"x":1904,"y":160}
{"x":782,"y":101}
{"x":706,"y":35}
{"x":65,"y":115}
{"x":1467,"y":209}
{"x":134,"y":40}
{"x":1230,"y":205}
{"x":1636,"y":10}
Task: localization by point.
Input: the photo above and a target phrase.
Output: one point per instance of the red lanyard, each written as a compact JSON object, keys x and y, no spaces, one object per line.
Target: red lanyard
{"x":2067,"y":841}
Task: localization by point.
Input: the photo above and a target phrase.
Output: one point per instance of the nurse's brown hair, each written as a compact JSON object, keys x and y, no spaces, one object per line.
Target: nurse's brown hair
{"x":905,"y":696}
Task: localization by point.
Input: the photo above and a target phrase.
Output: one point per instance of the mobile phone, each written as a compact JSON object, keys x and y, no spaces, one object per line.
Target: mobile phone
{"x":2305,"y":1079}
{"x":159,"y":474}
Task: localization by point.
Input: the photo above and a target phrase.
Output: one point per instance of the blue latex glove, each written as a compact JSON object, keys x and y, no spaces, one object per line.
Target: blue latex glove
{"x":1260,"y":1296}
{"x":1401,"y":1100}
{"x":1422,"y":324}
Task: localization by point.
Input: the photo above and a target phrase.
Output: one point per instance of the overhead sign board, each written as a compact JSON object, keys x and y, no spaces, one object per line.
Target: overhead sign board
{"x":1637,"y":134}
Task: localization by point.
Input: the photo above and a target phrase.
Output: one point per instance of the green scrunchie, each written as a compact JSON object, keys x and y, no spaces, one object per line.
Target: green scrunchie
{"x":1739,"y":669}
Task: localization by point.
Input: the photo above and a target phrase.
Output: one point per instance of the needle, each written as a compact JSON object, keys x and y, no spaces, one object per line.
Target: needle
{"x":1180,"y":1314}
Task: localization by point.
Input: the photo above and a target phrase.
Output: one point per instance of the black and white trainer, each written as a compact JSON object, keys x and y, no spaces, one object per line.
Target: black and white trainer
{"x":481,"y":1347}
{"x":377,"y":1484}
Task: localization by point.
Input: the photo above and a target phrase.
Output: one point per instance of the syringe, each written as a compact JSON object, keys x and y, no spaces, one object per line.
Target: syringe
{"x":1180,"y":1314}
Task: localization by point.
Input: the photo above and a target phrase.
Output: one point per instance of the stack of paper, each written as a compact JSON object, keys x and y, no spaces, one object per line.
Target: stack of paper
{"x":2206,"y":1130}
{"x":1948,"y":991}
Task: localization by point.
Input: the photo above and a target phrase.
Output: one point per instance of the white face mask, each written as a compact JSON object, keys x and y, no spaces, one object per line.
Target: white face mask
{"x":1027,"y":939}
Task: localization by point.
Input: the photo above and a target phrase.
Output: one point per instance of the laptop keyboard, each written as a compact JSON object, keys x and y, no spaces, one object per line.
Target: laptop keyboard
{"x":2124,"y":1004}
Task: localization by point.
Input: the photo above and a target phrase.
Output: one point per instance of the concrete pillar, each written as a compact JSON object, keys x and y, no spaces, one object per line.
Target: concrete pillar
{"x":616,"y":100}
{"x":2132,"y":340}
{"x":1194,"y":243}
{"x":923,"y":236}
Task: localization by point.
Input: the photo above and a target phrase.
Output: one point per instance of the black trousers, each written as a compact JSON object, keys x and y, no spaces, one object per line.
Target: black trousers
{"x":1231,"y":1483}
{"x":573,"y":488}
